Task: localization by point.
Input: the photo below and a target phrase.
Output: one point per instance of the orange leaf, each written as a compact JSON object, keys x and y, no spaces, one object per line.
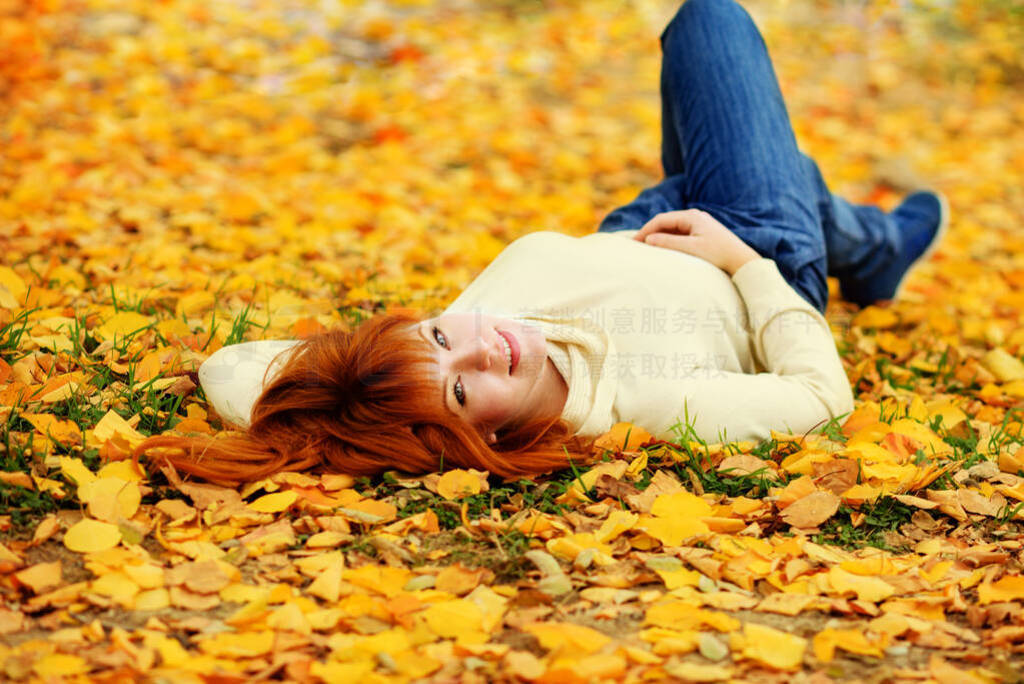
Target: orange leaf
{"x":622,"y":437}
{"x":41,"y":577}
{"x":307,"y":327}
{"x":379,"y":511}
{"x":794,"y":491}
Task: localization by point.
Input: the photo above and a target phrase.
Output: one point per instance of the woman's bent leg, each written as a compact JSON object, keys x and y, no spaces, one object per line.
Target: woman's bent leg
{"x":860,"y":240}
{"x":728,"y":147}
{"x":736,"y":143}
{"x":869,"y":250}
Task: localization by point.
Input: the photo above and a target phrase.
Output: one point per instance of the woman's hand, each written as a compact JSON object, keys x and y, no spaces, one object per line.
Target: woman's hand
{"x":698,"y":233}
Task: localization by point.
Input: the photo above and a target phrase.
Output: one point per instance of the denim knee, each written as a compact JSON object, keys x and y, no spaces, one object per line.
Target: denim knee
{"x":725,"y":13}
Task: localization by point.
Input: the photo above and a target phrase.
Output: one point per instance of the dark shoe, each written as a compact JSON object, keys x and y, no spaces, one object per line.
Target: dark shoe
{"x":922,"y":220}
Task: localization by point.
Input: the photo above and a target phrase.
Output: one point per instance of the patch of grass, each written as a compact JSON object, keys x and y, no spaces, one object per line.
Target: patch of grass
{"x":353,"y":316}
{"x":158,"y":411}
{"x":845,"y":348}
{"x":25,"y":506}
{"x":506,"y":497}
{"x":149,"y":404}
{"x":765,"y":449}
{"x":881,"y":519}
{"x":361,"y":545}
{"x":503,"y":554}
{"x":120,"y":343}
{"x":833,"y":429}
{"x":1003,"y":436}
{"x":965,"y":450}
{"x":1008,"y":513}
{"x":137,"y":304}
{"x":79,"y":409}
{"x":17,"y":454}
{"x":91,"y":459}
{"x":644,"y":481}
{"x":753,"y":485}
{"x":11,"y":334}
{"x":420,"y":501}
{"x":160,"y":489}
{"x":82,"y":342}
{"x":240,"y":326}
{"x":945,"y":368}
{"x":897,"y":376}
{"x":692,"y":462}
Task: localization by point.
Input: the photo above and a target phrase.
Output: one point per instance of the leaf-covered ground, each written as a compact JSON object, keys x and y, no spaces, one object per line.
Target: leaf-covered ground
{"x":180,"y":175}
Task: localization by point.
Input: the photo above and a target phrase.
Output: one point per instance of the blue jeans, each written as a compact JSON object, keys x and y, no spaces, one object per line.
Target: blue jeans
{"x":728,"y":148}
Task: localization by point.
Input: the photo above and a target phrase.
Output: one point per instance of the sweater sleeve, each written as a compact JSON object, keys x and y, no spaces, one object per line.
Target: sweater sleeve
{"x":804,"y":384}
{"x":233,"y":377}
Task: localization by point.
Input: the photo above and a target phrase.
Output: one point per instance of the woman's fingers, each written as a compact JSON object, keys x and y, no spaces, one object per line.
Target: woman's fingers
{"x":699,"y":234}
{"x":667,"y":222}
{"x":687,"y":244}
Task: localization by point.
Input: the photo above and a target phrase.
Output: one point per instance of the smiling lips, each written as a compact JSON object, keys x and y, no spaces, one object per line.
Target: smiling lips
{"x":512,"y":345}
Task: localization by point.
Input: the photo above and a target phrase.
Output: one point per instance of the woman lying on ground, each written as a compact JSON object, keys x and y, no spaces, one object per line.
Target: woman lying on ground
{"x":700,"y":303}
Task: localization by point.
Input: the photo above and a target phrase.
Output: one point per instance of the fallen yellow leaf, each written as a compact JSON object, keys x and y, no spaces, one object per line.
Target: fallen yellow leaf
{"x":274,"y":503}
{"x":90,"y":536}
{"x":456,"y":484}
{"x":110,"y":498}
{"x":771,"y":647}
{"x":1009,"y":588}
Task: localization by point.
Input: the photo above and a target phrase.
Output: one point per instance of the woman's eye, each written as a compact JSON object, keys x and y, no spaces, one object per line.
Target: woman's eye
{"x":440,"y":338}
{"x":457,"y":390}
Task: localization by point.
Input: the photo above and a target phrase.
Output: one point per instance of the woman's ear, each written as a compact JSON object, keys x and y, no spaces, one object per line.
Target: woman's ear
{"x":491,"y":438}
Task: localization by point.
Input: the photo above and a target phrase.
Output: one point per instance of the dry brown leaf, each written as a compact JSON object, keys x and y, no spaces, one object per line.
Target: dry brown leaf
{"x":812,"y":510}
{"x":794,"y":491}
{"x":205,"y":577}
{"x":663,"y":482}
{"x":745,"y":464}
{"x":973,"y":501}
{"x":948,"y":502}
{"x":916,"y":501}
{"x":836,"y":475}
{"x":46,"y":528}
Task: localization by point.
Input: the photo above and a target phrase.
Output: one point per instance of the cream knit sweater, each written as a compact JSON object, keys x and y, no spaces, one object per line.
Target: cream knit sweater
{"x":641,"y":334}
{"x":658,"y":338}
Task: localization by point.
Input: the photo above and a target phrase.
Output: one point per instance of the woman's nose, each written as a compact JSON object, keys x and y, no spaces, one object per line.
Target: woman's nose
{"x":478,"y":354}
{"x":483,"y":360}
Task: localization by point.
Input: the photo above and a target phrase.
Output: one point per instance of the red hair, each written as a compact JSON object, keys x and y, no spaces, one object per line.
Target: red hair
{"x":362,"y":402}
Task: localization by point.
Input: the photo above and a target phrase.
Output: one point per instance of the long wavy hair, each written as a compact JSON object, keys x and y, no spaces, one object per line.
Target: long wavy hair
{"x":361,"y":402}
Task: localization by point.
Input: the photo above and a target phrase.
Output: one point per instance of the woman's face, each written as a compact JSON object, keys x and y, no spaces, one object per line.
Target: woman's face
{"x":492,"y":372}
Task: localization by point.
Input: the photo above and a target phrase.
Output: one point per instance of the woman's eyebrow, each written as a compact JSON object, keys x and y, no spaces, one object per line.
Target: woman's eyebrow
{"x":422,"y":329}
